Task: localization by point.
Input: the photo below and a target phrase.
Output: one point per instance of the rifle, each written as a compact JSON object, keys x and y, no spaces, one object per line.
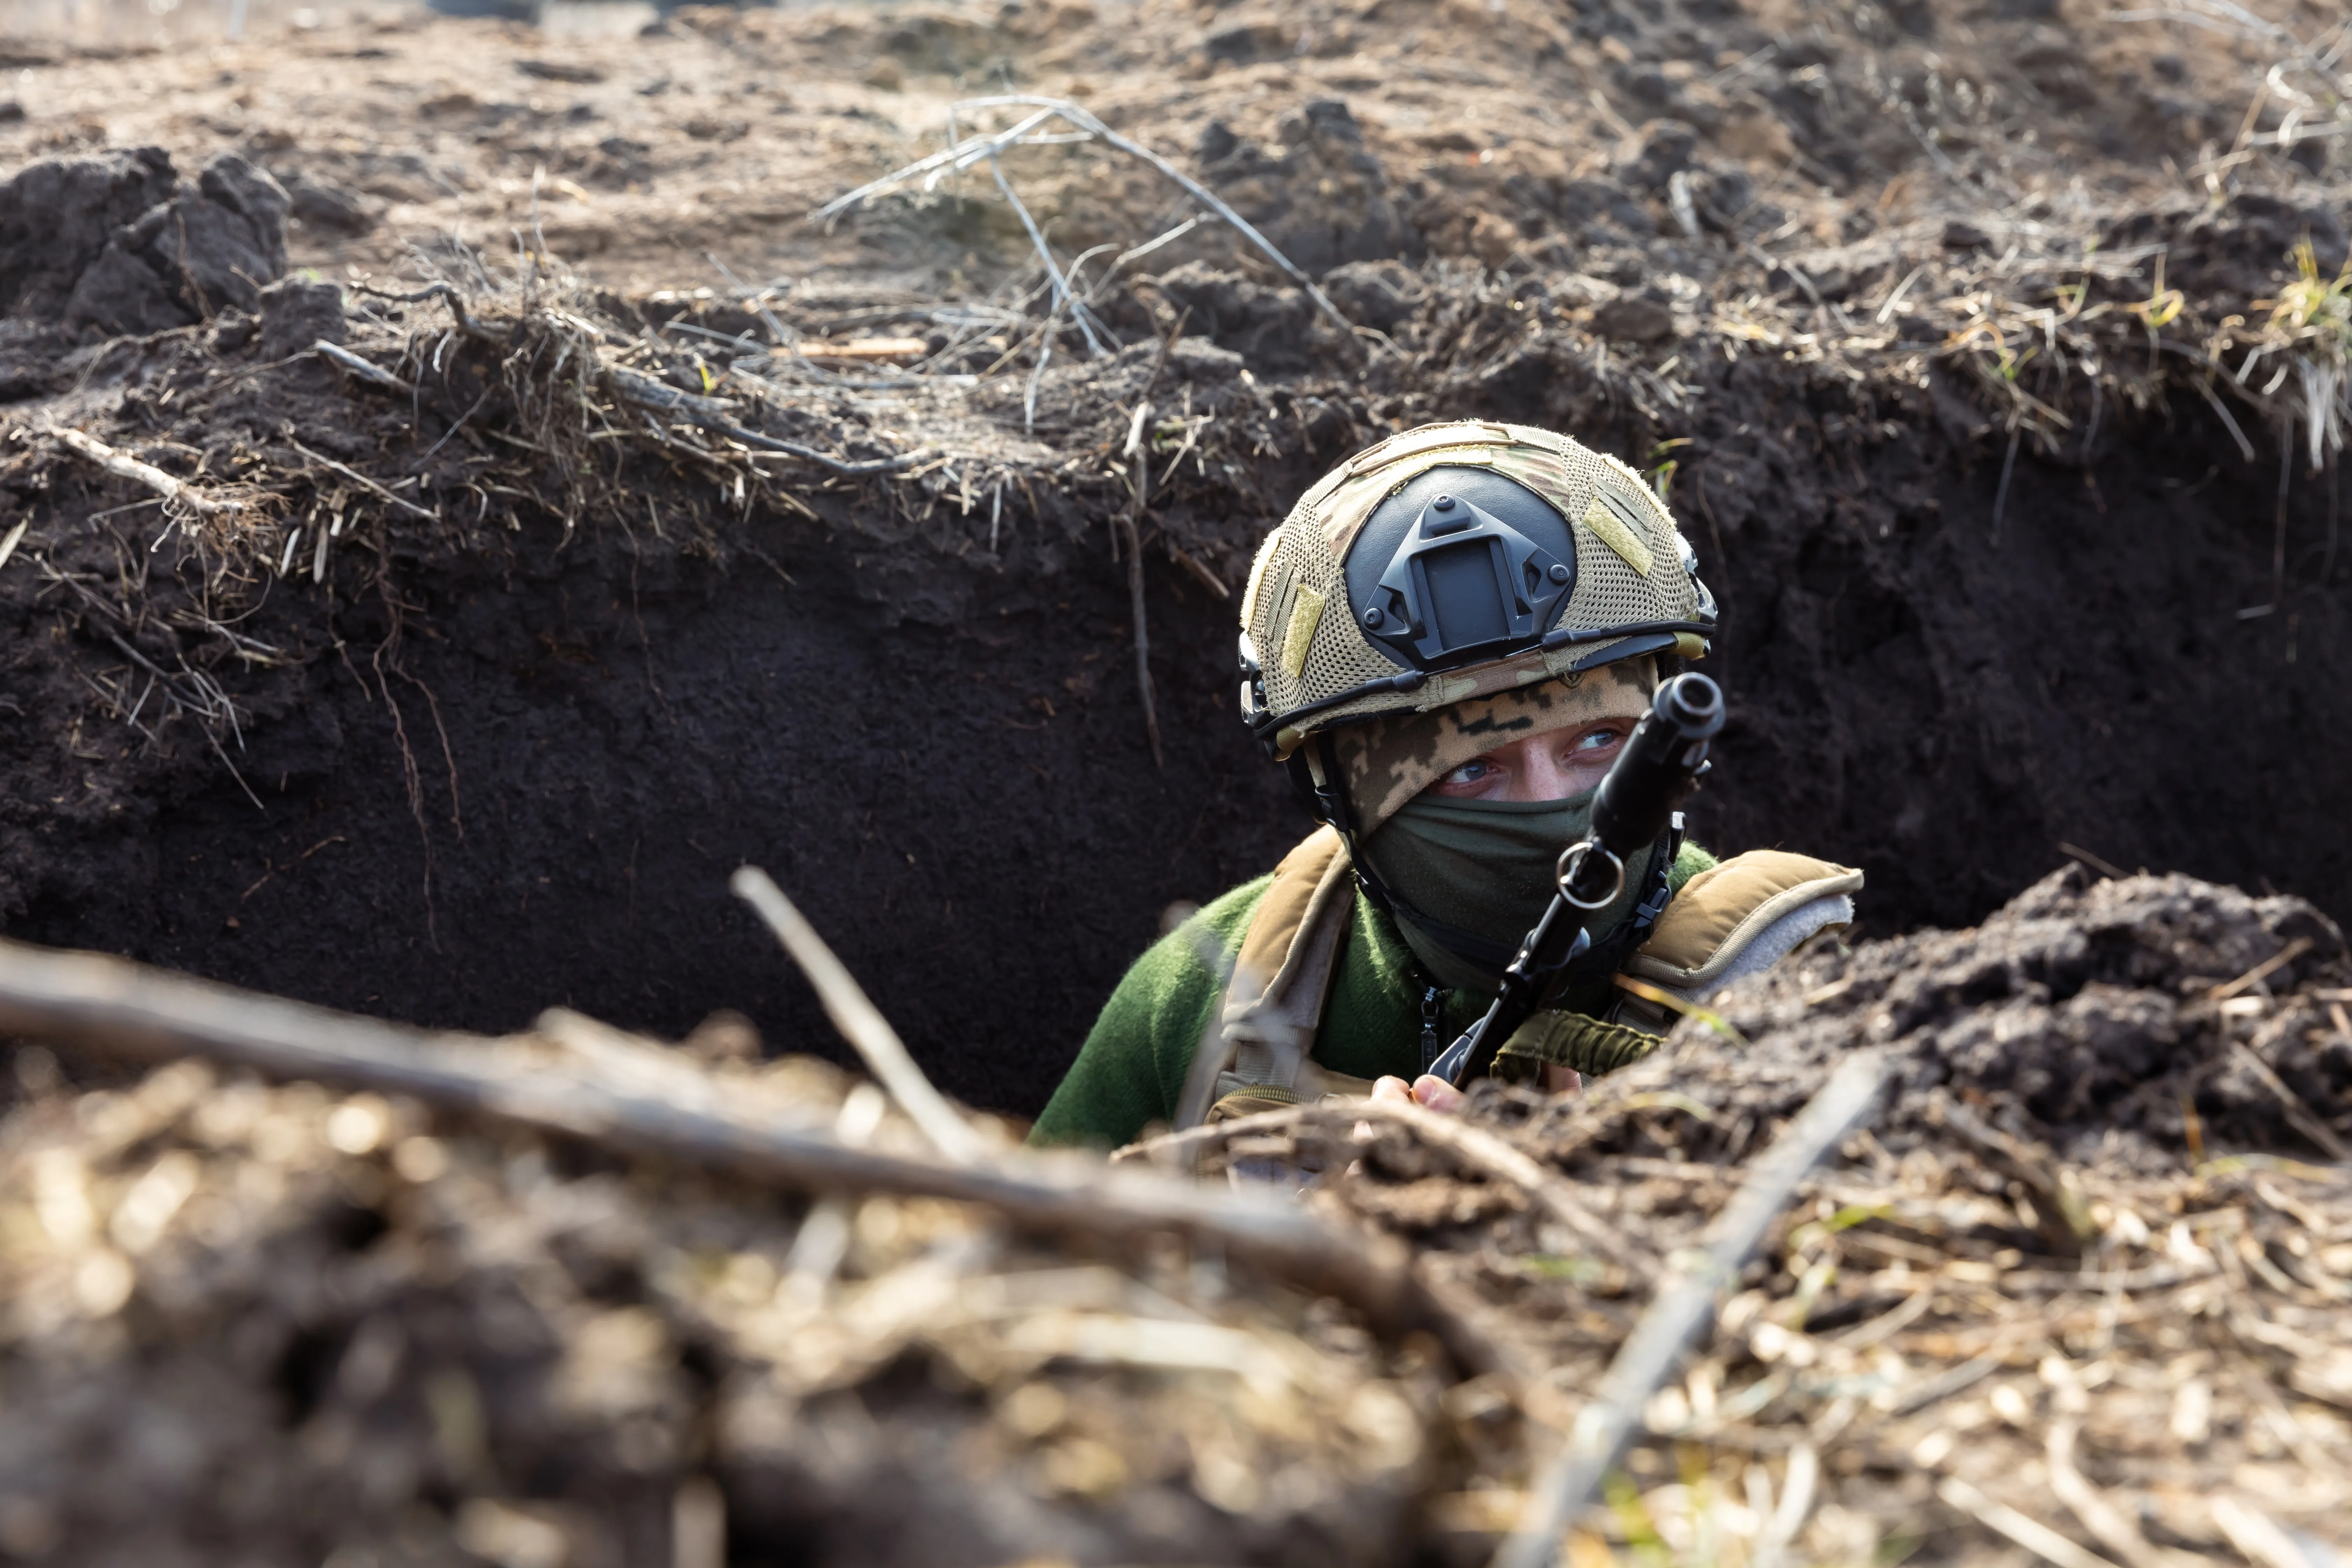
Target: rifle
{"x":1660,"y":765}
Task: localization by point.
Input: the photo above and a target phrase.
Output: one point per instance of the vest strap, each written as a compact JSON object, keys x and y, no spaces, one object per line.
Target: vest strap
{"x":1293,"y":940}
{"x":1282,"y":978}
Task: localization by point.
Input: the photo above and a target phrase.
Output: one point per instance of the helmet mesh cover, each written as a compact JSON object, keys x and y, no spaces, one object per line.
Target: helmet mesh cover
{"x":1309,"y":551}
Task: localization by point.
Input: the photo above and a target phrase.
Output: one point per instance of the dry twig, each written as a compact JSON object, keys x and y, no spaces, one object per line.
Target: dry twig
{"x":2031,"y":1533}
{"x":717,"y":415}
{"x":1138,"y":479}
{"x":119,"y":1007}
{"x":971,"y":149}
{"x":1491,"y":1156}
{"x":177,"y":492}
{"x":860,"y":1022}
{"x":1486,"y":1153}
{"x":365,"y":369}
{"x":1682,"y":1308}
{"x":2115,"y":1532}
{"x":365,"y":483}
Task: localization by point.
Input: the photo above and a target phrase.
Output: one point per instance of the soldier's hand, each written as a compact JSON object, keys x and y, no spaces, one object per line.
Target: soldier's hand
{"x":1428,"y":1090}
{"x":1434,"y":1093}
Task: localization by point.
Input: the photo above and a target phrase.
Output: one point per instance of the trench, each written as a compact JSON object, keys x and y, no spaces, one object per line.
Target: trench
{"x":946,"y":764}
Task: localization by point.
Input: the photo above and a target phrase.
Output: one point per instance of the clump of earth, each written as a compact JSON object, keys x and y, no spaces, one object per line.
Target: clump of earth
{"x":2123,"y":1023}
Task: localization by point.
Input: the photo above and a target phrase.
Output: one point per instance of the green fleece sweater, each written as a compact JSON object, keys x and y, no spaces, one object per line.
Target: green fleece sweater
{"x":1133,"y":1065}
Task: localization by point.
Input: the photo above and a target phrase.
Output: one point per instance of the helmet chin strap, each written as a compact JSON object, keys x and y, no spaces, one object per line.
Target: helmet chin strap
{"x":1316,"y":774}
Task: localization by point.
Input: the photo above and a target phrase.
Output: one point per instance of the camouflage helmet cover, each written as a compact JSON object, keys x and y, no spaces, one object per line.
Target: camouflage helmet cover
{"x":1575,"y":563}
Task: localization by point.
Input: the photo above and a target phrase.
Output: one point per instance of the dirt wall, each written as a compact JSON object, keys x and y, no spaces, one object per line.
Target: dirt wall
{"x":947,"y":763}
{"x":969,"y":813}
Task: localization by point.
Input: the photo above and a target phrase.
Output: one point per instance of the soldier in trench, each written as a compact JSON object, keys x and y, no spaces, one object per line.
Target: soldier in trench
{"x":1446,"y":643}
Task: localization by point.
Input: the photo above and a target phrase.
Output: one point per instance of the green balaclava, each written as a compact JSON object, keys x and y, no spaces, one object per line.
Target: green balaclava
{"x":1478,"y":873}
{"x":1483,"y":869}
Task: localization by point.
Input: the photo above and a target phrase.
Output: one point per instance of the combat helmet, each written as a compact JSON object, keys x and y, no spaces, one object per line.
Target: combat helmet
{"x":1454,"y":560}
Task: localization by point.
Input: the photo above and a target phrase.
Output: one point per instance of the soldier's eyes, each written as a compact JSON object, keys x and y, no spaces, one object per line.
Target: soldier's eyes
{"x":1470,"y":773}
{"x":1597,"y":741}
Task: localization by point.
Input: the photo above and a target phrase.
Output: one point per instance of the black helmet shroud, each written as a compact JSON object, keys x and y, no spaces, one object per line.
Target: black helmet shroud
{"x":1458,"y":566}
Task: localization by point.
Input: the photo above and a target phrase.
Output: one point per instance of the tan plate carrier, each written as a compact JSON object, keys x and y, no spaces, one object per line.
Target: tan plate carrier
{"x":1739,"y":916}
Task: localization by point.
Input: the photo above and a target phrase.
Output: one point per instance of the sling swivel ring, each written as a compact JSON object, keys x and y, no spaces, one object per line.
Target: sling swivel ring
{"x":1571,"y":862}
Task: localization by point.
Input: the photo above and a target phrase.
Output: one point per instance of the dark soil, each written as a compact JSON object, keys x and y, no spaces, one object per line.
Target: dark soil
{"x":2112,"y":1022}
{"x":454,"y":1347}
{"x":514,"y":764}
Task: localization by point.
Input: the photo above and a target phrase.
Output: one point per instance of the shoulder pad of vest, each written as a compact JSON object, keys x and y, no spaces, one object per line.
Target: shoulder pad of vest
{"x":1725,"y":911}
{"x":1282,"y":912}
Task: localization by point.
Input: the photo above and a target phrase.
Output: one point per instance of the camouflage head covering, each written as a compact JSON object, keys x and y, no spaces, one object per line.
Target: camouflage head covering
{"x":1391,"y":759}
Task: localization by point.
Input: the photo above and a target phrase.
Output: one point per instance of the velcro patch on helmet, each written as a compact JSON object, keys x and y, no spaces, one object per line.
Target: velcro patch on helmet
{"x":1613,"y":529}
{"x":1461,"y":433}
{"x":1306,"y":615}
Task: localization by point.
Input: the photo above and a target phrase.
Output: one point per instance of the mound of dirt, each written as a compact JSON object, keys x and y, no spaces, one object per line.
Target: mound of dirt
{"x":2121,"y":1022}
{"x":119,"y":245}
{"x":265,"y":1325}
{"x":247,"y":1323}
{"x":60,"y":216}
